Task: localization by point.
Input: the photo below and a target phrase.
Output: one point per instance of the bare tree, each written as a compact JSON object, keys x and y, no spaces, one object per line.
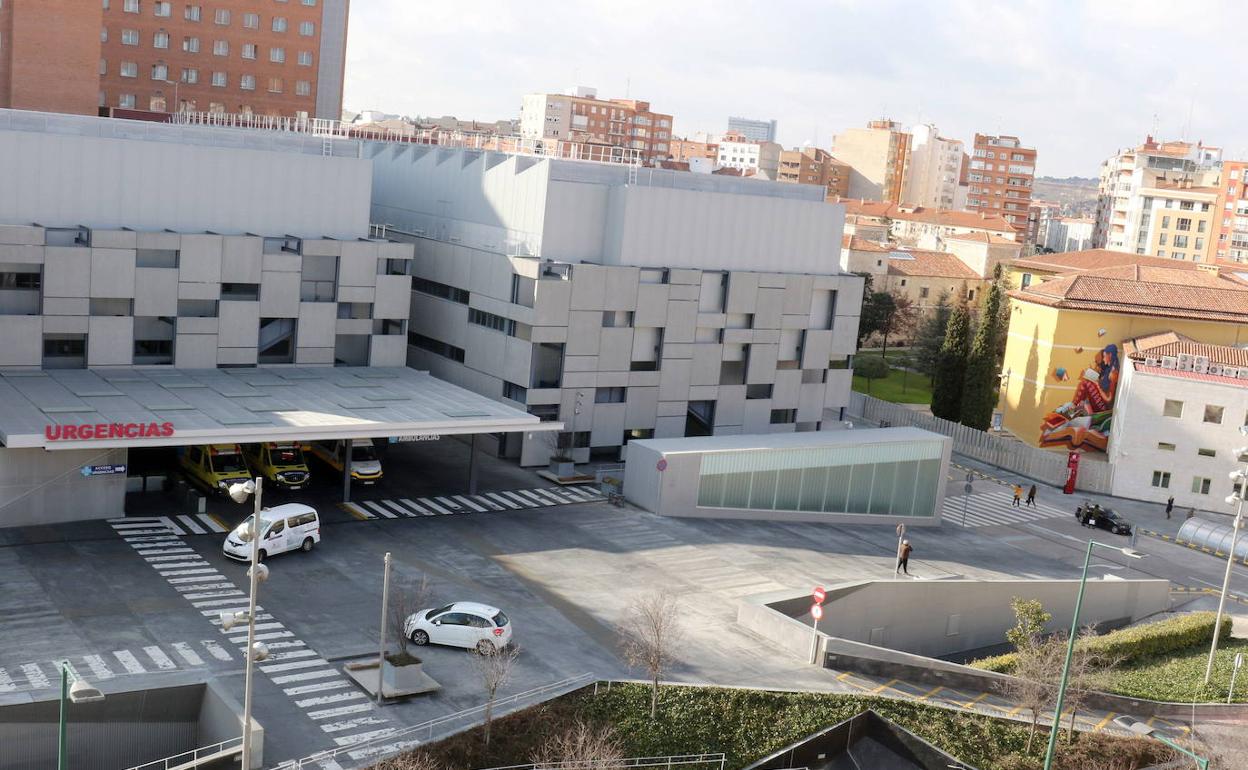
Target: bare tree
{"x":1087,"y":673}
{"x":1039,"y":665}
{"x":415,"y":760}
{"x":406,"y":597}
{"x":494,"y":667}
{"x":652,"y":632}
{"x":581,"y":746}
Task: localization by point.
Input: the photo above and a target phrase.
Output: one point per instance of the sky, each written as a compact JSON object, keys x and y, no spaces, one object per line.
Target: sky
{"x":1075,"y":80}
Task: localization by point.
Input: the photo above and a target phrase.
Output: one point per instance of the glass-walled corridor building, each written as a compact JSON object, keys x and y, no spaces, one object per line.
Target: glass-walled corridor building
{"x":883,"y":475}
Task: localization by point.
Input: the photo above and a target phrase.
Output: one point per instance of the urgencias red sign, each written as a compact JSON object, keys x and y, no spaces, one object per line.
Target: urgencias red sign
{"x":105,"y":430}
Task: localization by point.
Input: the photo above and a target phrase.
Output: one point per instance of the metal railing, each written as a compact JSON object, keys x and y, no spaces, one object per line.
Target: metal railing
{"x":192,"y":758}
{"x":410,"y":134}
{"x":1015,"y":456}
{"x":677,"y":760}
{"x":401,"y":739}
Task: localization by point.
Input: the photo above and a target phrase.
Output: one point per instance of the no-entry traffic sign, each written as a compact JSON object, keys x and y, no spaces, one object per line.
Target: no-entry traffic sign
{"x":816,"y":611}
{"x":819,"y":594}
{"x":661,"y":465}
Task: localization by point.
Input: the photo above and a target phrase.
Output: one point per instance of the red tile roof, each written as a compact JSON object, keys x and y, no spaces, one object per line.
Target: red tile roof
{"x":983,"y":237}
{"x":858,"y":243}
{"x":1094,"y":259}
{"x":1144,"y":290}
{"x":929,"y":264}
{"x":1174,"y":344}
{"x":942,"y":217}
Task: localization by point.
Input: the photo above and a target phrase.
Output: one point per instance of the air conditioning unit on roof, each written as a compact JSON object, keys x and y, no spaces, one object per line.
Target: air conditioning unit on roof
{"x":1169,"y":362}
{"x":1151,"y":362}
{"x":1200,"y":364}
{"x":1229,"y":371}
{"x":1185,"y":362}
{"x":1215,"y":369}
{"x":1243,"y":373}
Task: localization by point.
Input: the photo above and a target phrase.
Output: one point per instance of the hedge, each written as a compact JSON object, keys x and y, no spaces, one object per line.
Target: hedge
{"x":1131,"y":644}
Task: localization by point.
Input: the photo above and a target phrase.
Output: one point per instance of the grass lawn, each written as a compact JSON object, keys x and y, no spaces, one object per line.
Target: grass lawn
{"x":747,"y":725}
{"x":889,"y":388}
{"x":1177,"y":676}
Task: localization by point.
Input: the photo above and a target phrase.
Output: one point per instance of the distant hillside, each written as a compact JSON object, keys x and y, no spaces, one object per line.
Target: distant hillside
{"x":1076,"y":194}
{"x":1069,"y":181}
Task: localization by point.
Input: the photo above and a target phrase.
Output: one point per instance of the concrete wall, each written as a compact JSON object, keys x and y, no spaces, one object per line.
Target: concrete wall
{"x":40,"y":487}
{"x":221,"y":718}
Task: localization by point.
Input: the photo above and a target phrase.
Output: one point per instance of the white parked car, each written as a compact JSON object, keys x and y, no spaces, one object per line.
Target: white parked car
{"x":289,"y":527}
{"x":469,"y":625}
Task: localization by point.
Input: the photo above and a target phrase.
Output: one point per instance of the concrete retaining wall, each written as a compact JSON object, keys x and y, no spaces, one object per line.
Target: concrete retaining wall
{"x":41,"y":487}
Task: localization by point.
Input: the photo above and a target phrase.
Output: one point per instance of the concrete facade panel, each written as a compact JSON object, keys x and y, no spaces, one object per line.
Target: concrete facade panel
{"x":742,"y":292}
{"x":236,"y":356}
{"x":242,"y":259}
{"x":200,"y":260}
{"x":674,"y":380}
{"x":110,"y":341}
{"x":391,"y":299}
{"x":65,"y":324}
{"x":589,"y":287}
{"x":314,"y":356}
{"x":816,"y":349}
{"x":761,"y":368}
{"x":21,"y":341}
{"x":615,"y":349}
{"x":188,"y":290}
{"x":279,"y":295}
{"x":768,"y":308}
{"x":155,"y":291}
{"x":621,"y":288}
{"x":608,"y":425}
{"x":672,"y":426}
{"x":643,"y":408}
{"x":652,"y":300}
{"x":54,"y":306}
{"x":682,"y":320}
{"x":387,"y":350}
{"x":730,"y":406}
{"x":67,"y":272}
{"x":238,"y":325}
{"x":584,"y":332}
{"x":706,"y":364}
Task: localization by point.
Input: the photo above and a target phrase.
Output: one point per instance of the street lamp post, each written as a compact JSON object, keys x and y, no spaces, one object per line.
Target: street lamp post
{"x":79,"y":692}
{"x":1236,"y":498}
{"x":177,"y":107}
{"x":256,"y":651}
{"x":1070,"y":645}
{"x":1142,"y":728}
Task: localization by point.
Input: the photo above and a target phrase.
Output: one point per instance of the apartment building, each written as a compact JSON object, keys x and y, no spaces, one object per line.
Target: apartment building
{"x":1124,"y":177}
{"x":1068,"y":234}
{"x":580,"y":116}
{"x":1039,"y":215}
{"x":811,"y":165}
{"x":935,"y":168}
{"x":242,"y":56}
{"x":753,"y":130}
{"x":879,"y":158}
{"x":678,"y":304}
{"x":922,"y":227}
{"x":690,"y":150}
{"x":749,"y":157}
{"x":999,"y":178}
{"x":1231,"y":219}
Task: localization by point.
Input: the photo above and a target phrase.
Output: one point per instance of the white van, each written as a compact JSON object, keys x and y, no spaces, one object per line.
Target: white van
{"x":365,"y":467}
{"x":289,"y":527}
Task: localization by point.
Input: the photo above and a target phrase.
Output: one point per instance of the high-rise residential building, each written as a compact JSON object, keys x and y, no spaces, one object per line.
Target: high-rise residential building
{"x":999,"y":178}
{"x":244,"y":56}
{"x":1039,"y":214}
{"x":1067,"y":234}
{"x":935,"y":167}
{"x":811,"y":165}
{"x":749,"y":157}
{"x":754,"y":130}
{"x":1231,"y":220}
{"x":581,"y":116}
{"x":879,"y":156}
{"x":1121,"y":224}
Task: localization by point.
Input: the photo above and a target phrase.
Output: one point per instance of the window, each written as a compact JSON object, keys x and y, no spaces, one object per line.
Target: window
{"x":307,"y":28}
{"x":1200,"y":485}
{"x":126,"y":101}
{"x":103,"y":66}
{"x":491,"y":321}
{"x":1165,"y":446}
{"x":164,"y":9}
{"x":64,"y":351}
{"x":103,"y":34}
{"x":923,"y":292}
{"x":1161,"y":479}
{"x":160,"y":40}
{"x":219,"y":79}
{"x":305,"y":58}
{"x":277,"y":55}
{"x":303,"y":88}
{"x":783,"y":416}
{"x":437,"y":347}
{"x":610,"y":395}
{"x":1165,"y":222}
{"x":192,"y":13}
{"x":308,"y":2}
{"x":612,"y":319}
{"x":1213,"y":414}
{"x":240,"y":291}
{"x":221,"y":47}
{"x":249,"y":51}
{"x":130,"y":6}
{"x":1184,"y":224}
{"x":279,"y":23}
{"x":155,"y":103}
{"x":247,"y":82}
{"x":129,"y":37}
{"x":222,"y":17}
{"x":129,"y":69}
{"x":425,"y":286}
{"x":1180,"y":241}
{"x":514,"y":392}
{"x":1207,"y":452}
{"x":160,"y":72}
{"x":190,"y":75}
{"x":1172,"y":408}
{"x":190,"y":44}
{"x":1185,"y":205}
{"x":276,"y":85}
{"x":251,"y":20}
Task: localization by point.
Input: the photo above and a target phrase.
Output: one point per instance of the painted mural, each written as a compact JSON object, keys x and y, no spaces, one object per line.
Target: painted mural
{"x":1084,"y":421}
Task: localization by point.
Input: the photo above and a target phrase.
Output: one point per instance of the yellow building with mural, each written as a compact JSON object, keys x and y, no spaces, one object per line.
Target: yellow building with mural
{"x":1060,"y":372}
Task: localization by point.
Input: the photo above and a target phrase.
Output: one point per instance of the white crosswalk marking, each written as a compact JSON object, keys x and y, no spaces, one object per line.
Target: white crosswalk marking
{"x":304,"y":676}
{"x":503,"y":501}
{"x":347,"y":740}
{"x":189,"y":655}
{"x":350,"y":723}
{"x":354,"y":508}
{"x":174,"y":528}
{"x":415,"y":507}
{"x":129,"y":662}
{"x":99,"y":669}
{"x":210,"y":523}
{"x":485,"y":502}
{"x":158,"y":656}
{"x":6,"y":682}
{"x":318,"y":687}
{"x":216,"y":650}
{"x":323,"y":700}
{"x":399,"y":509}
{"x":191,"y":524}
{"x":35,"y":676}
{"x":433,"y":506}
{"x":462,"y":500}
{"x":995,"y":508}
{"x":379,"y":510}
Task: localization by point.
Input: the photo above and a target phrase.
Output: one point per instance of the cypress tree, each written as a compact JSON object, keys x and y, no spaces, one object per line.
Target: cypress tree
{"x":950,"y":367}
{"x":979,"y":391}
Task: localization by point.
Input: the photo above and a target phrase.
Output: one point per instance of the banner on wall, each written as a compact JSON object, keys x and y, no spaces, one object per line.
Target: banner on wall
{"x":1084,"y":422}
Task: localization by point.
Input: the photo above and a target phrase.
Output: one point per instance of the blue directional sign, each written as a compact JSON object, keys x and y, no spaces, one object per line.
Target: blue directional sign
{"x":102,"y":470}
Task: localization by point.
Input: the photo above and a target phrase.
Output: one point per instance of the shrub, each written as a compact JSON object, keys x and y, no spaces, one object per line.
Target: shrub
{"x":1130,"y":644}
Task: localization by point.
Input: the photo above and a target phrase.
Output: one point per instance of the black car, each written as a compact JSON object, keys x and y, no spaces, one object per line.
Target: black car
{"x":1093,"y":515}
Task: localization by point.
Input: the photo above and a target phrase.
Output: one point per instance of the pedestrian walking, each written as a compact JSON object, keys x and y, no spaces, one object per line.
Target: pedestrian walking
{"x":1031,"y":496}
{"x":903,"y":558}
{"x":1169,"y":507}
{"x":1018,"y":495}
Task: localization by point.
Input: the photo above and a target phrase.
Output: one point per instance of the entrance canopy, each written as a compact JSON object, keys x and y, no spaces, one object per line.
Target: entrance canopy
{"x":129,"y":407}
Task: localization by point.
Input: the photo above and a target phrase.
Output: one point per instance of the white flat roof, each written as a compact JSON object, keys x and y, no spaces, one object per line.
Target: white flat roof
{"x":125,"y":407}
{"x":798,"y":440}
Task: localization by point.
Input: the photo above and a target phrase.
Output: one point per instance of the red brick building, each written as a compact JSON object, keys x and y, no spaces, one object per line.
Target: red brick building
{"x":999,"y":178}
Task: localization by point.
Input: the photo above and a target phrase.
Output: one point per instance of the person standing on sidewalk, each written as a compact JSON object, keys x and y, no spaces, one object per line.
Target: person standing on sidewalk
{"x":1169,"y":507}
{"x":1018,"y":496}
{"x":903,"y":558}
{"x":1031,"y":497}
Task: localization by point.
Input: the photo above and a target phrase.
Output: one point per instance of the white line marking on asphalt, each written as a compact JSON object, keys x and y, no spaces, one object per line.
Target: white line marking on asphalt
{"x":99,"y":669}
{"x":190,"y":656}
{"x":342,"y":711}
{"x":292,"y":654}
{"x":323,"y":700}
{"x":165,"y":538}
{"x":210,"y":522}
{"x":196,"y":571}
{"x":285,"y":645}
{"x":398,"y":508}
{"x":294,"y":665}
{"x":6,"y":682}
{"x":158,"y":656}
{"x":347,"y":740}
{"x":202,"y":578}
{"x":1206,"y":582}
{"x":412,"y":504}
{"x":523,"y":501}
{"x":157,"y":552}
{"x":35,"y":676}
{"x":210,"y":602}
{"x":318,"y":687}
{"x":525,"y":494}
{"x":383,"y":511}
{"x":214,"y":594}
{"x":216,"y":650}
{"x":349,"y":724}
{"x":503,"y":501}
{"x":462,"y":500}
{"x":357,"y":509}
{"x":431,"y":505}
{"x":182,"y":557}
{"x":127,"y":520}
{"x":262,"y":637}
{"x":191,"y":524}
{"x":174,"y":528}
{"x":129,"y":662}
{"x":305,"y":676}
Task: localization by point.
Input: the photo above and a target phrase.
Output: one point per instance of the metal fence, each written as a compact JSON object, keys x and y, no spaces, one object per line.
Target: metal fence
{"x":227,"y":748}
{"x":1015,"y":456}
{"x":682,"y":761}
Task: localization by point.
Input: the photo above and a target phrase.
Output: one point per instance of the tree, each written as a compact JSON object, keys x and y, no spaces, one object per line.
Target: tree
{"x":494,"y":667}
{"x":581,"y":745}
{"x":898,"y":317}
{"x":951,"y":364}
{"x":1031,"y":619}
{"x":412,"y":761}
{"x":406,"y":597}
{"x":871,"y":368}
{"x":979,"y":389}
{"x":929,"y":337}
{"x":652,"y":632}
{"x":1087,"y":670}
{"x":1032,"y":684}
{"x":876,"y":305}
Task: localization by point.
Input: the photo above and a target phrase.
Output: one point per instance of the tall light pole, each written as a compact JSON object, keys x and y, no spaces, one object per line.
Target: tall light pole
{"x":1236,"y":498}
{"x":1070,"y":645}
{"x":176,"y":105}
{"x":79,"y":692}
{"x":256,"y":651}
